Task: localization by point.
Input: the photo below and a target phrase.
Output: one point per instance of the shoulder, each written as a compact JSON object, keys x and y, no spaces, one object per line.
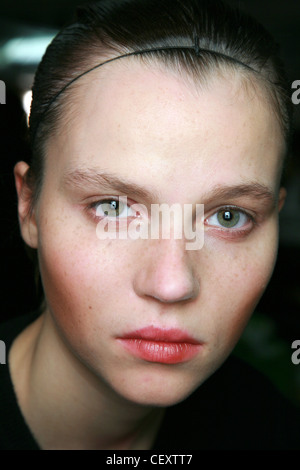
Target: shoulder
{"x":237,"y":408}
{"x":10,"y":329}
{"x":14,"y":433}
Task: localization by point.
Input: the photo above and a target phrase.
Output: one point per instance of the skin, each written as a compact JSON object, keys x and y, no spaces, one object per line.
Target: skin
{"x":180,"y":142}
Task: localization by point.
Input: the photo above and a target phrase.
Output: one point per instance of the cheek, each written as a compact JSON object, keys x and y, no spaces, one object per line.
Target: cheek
{"x":237,"y":278}
{"x":81,"y":283}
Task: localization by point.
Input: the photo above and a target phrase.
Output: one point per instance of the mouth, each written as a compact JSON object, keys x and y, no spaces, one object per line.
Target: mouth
{"x":152,"y":344}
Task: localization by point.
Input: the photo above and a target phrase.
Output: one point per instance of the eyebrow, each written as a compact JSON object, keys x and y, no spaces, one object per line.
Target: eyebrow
{"x":253,"y":190}
{"x":89,"y":178}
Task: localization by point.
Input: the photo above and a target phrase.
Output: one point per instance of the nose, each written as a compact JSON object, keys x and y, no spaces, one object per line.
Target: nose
{"x":166,"y":273}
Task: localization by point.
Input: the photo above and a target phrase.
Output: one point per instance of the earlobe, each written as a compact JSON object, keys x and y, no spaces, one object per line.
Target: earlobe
{"x":281,"y":198}
{"x":26,"y":215}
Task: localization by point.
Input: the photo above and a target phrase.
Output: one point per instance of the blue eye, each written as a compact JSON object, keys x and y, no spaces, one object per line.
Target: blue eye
{"x":228,"y":218}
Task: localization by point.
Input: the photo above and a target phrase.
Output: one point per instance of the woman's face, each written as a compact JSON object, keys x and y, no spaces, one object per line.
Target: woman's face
{"x":155,"y":138}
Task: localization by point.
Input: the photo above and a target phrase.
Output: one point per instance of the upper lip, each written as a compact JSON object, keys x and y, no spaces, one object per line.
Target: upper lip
{"x":151,"y":333}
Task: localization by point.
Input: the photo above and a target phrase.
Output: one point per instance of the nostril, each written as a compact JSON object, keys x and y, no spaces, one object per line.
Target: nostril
{"x":167,"y":287}
{"x":166,"y":273}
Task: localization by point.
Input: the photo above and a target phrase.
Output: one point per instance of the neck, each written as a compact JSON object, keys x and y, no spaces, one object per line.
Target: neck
{"x":65,"y":405}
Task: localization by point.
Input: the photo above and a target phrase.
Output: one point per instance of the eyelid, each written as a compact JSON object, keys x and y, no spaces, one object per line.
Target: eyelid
{"x":101,"y":200}
{"x":248,"y":214}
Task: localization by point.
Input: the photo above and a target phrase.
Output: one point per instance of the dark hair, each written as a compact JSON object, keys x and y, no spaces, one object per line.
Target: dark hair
{"x":225,"y":37}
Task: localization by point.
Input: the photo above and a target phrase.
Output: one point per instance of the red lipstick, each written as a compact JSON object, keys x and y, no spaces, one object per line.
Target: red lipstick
{"x":152,"y":344}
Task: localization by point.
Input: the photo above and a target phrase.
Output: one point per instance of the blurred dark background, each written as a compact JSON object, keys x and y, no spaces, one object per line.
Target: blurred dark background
{"x":26,"y":27}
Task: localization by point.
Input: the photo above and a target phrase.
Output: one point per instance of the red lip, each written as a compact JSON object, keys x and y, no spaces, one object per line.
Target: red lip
{"x":153,"y":344}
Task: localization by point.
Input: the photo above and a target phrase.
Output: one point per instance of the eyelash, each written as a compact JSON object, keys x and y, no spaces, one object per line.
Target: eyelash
{"x":222,"y":231}
{"x":228,"y":231}
{"x":92,"y":207}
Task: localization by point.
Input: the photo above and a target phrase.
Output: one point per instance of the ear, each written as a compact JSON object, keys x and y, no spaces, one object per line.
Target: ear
{"x":26,"y":215}
{"x":281,"y":198}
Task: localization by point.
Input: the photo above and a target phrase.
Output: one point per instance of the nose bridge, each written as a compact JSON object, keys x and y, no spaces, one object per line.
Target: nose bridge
{"x":166,"y":272}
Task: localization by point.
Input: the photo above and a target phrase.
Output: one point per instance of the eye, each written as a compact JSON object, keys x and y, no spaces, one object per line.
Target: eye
{"x":113,"y":208}
{"x":230,"y":218}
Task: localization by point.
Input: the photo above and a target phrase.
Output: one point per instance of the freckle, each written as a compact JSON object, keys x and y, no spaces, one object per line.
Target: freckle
{"x":90,"y":307}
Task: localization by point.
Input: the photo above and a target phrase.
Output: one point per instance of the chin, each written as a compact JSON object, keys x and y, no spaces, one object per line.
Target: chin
{"x":166,"y":386}
{"x":161,"y":400}
{"x":158,"y":393}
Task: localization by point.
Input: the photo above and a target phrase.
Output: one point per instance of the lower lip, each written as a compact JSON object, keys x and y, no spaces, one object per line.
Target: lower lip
{"x":161,"y":351}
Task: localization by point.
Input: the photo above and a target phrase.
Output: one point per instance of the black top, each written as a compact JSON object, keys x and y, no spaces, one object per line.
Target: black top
{"x":235,"y":409}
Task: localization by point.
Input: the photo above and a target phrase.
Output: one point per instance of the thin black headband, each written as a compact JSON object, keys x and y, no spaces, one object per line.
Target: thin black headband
{"x":195,"y":47}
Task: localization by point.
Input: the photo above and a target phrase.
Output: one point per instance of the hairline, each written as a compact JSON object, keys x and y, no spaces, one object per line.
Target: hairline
{"x":192,"y":77}
{"x":200,"y":81}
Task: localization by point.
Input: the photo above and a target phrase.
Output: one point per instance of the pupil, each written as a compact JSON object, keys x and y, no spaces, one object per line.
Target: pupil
{"x":227,"y":215}
{"x":113,"y":205}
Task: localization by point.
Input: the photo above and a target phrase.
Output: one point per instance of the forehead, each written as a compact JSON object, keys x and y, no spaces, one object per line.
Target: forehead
{"x":129,"y":118}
